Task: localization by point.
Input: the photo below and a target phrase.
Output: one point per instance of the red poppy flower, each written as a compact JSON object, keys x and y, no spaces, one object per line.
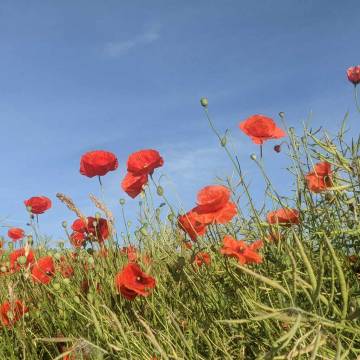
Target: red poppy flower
{"x":245,"y":254}
{"x":133,"y":185}
{"x":191,"y":226}
{"x":144,"y":162}
{"x":93,"y":230}
{"x":132,"y":281}
{"x":79,"y":225}
{"x":261,"y":128}
{"x":16,"y":254}
{"x":66,"y":270}
{"x":284,"y":216}
{"x":77,"y":239}
{"x":16,"y":234}
{"x":353,"y":74}
{"x":98,"y":163}
{"x":221,"y":216}
{"x":10,"y":313}
{"x":321,"y":178}
{"x":214,"y":205}
{"x":131,"y":252}
{"x":212,"y":198}
{"x":38,"y":204}
{"x":202,"y":258}
{"x":43,"y":270}
{"x":98,"y":228}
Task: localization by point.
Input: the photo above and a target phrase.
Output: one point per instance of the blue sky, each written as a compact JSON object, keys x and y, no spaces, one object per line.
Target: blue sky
{"x":124,"y":76}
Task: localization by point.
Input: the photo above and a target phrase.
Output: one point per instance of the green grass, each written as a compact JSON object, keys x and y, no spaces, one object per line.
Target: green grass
{"x":302,"y":302}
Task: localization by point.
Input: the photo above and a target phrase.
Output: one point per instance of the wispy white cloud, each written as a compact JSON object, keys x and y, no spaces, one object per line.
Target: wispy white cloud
{"x":119,"y":48}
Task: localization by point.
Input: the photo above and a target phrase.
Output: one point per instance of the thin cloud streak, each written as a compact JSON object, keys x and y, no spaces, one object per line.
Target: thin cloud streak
{"x":119,"y":48}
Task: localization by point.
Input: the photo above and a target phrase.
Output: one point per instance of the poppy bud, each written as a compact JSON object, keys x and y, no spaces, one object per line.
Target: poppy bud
{"x":143,"y":231}
{"x":22,"y":260}
{"x":160,"y":190}
{"x":64,"y":224}
{"x":10,"y":245}
{"x":281,"y":114}
{"x":57,"y":256}
{"x":158,"y":212}
{"x":253,"y":157}
{"x":129,"y":223}
{"x":57,"y":286}
{"x":61,"y":244}
{"x":77,"y":299}
{"x":97,"y":215}
{"x":277,"y":148}
{"x":223,"y":141}
{"x":170,"y":217}
{"x":122,"y":202}
{"x":204,"y":102}
{"x":291,"y":129}
{"x":353,"y":74}
{"x":30,"y":240}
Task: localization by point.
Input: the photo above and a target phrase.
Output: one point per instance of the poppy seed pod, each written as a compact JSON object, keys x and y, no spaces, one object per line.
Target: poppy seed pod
{"x":253,"y":157}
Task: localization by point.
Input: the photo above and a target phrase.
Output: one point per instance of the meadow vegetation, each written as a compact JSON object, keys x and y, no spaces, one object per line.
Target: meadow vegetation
{"x":225,"y":280}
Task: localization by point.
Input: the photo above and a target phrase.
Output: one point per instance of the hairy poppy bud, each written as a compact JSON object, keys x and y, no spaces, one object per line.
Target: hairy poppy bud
{"x":223,"y":141}
{"x":22,"y":260}
{"x":122,"y":202}
{"x":253,"y":157}
{"x":277,"y":148}
{"x":30,"y":240}
{"x":57,"y":286}
{"x":281,"y":114}
{"x":64,"y":224}
{"x":204,"y":102}
{"x":160,"y":190}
